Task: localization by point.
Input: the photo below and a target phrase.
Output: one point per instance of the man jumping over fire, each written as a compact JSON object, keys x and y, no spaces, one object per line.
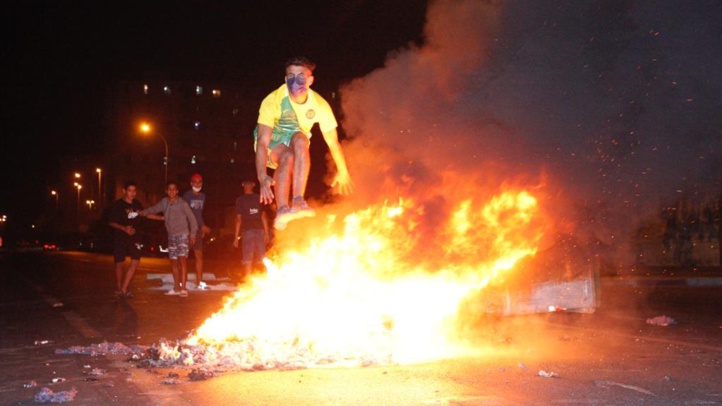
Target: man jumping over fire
{"x":282,"y":139}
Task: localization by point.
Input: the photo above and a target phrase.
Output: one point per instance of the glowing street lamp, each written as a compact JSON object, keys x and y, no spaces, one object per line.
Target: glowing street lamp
{"x":146,"y":128}
{"x":77,"y":175}
{"x":57,"y":196}
{"x":79,"y":186}
{"x":100,"y":193}
{"x":90,"y":203}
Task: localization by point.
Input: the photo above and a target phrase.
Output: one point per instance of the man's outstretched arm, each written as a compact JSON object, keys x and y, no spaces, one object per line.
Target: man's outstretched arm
{"x":342,"y":177}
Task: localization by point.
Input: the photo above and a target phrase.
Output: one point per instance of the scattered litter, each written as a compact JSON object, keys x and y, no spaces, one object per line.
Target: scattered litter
{"x":58,"y":380}
{"x":545,"y":374}
{"x":522,"y":366}
{"x":200,"y":375}
{"x":30,"y":384}
{"x":103,"y":348}
{"x":668,"y":378}
{"x":42,"y":342}
{"x":663,"y":321}
{"x":95,"y":372}
{"x":606,"y":384}
{"x":171,"y":381}
{"x":48,"y":396}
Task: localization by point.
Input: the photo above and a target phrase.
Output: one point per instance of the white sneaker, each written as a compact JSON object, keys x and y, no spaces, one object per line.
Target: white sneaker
{"x":202,"y":286}
{"x":172,"y":292}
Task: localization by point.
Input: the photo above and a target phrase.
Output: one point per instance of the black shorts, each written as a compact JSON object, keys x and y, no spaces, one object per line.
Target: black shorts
{"x":123,"y":248}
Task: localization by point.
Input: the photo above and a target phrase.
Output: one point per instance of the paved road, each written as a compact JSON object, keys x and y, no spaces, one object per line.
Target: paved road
{"x":612,"y":357}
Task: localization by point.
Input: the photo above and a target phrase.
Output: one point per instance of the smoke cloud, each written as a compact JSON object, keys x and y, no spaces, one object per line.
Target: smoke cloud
{"x":611,"y":108}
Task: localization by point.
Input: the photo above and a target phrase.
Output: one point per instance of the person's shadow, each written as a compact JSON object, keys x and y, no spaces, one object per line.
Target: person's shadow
{"x":125,"y":320}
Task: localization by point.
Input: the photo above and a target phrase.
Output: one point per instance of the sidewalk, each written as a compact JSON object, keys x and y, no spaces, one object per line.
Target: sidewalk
{"x":668,"y":276}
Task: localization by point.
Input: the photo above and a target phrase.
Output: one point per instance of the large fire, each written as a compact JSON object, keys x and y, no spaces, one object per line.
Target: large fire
{"x":370,"y":288}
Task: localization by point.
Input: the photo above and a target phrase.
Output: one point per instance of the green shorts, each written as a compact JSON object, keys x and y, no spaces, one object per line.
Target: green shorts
{"x":280,"y":136}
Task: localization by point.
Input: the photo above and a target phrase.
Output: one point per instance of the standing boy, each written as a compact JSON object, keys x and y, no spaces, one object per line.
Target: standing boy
{"x":251,"y":221}
{"x":197,"y":200}
{"x":126,"y":238}
{"x":182,"y":230}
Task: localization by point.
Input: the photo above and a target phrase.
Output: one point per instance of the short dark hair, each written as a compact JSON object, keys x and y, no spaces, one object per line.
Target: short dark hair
{"x":301,"y":61}
{"x":129,"y":183}
{"x":171,"y":182}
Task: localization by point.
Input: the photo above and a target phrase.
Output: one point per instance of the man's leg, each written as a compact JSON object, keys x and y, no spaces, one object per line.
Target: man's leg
{"x":283,"y":155}
{"x":183,"y":271}
{"x":119,"y":276}
{"x":129,"y":274}
{"x":199,"y":266}
{"x":301,"y":163}
{"x":174,"y":270}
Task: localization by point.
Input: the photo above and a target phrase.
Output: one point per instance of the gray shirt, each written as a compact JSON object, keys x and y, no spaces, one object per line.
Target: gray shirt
{"x":178,"y":216}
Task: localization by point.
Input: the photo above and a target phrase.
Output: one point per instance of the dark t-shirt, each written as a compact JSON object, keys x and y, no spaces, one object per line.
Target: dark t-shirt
{"x":119,"y":214}
{"x":249,"y":207}
{"x":196,"y":201}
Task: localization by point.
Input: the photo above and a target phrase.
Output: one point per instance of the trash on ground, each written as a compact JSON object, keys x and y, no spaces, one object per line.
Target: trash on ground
{"x":606,"y":384}
{"x":200,"y":375}
{"x":103,"y":348}
{"x":42,"y":342}
{"x":30,"y":384}
{"x":170,"y":381}
{"x":545,"y":374}
{"x":663,"y":321}
{"x":95,"y":372}
{"x":45,"y":395}
{"x":58,"y":380}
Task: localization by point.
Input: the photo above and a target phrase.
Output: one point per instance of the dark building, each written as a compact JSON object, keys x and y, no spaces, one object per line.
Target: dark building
{"x":205,"y":128}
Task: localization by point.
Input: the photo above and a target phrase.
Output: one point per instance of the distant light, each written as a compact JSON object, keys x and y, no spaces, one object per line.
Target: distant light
{"x":193,"y":159}
{"x":199,"y":90}
{"x":197,"y":125}
{"x":216,"y":93}
{"x":145,"y":89}
{"x":166,"y":89}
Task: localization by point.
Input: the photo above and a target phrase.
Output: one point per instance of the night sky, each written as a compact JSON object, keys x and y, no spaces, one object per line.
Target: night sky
{"x":61,"y":57}
{"x":614,"y":106}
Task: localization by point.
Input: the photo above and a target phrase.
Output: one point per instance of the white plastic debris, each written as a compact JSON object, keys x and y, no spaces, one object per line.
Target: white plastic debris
{"x":663,"y":321}
{"x":58,"y":380}
{"x":545,"y":374}
{"x":30,"y":384}
{"x":46,"y":395}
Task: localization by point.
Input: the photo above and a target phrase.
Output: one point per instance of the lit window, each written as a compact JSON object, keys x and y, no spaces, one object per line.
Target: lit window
{"x":216,"y":93}
{"x":166,"y":89}
{"x":145,"y":89}
{"x":197,"y":125}
{"x":199,"y":90}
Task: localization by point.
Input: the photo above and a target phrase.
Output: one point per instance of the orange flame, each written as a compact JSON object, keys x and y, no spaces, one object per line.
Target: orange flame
{"x":380,"y":290}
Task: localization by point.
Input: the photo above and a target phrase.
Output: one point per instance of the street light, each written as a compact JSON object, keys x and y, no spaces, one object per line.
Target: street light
{"x":57,"y":196}
{"x":77,"y":175}
{"x":90,"y":203}
{"x":146,"y":128}
{"x":79,"y":186}
{"x":100,"y":193}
